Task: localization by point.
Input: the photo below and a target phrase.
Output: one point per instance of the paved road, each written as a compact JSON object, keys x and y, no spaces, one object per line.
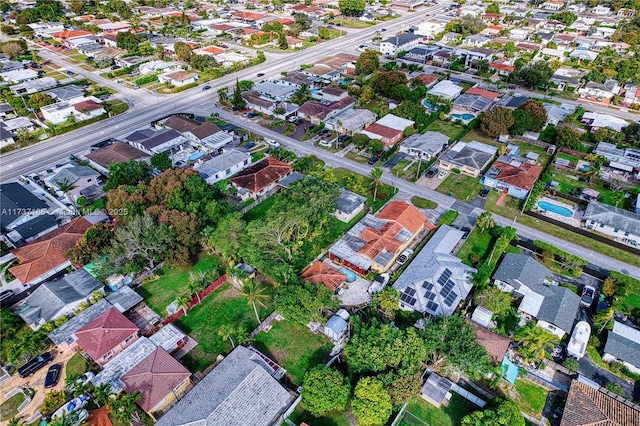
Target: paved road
{"x":602,"y":377}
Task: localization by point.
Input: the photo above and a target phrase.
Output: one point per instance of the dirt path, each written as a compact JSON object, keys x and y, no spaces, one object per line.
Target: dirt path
{"x":36,"y":382}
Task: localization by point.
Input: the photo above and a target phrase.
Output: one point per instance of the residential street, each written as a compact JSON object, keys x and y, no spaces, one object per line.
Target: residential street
{"x":602,"y":377}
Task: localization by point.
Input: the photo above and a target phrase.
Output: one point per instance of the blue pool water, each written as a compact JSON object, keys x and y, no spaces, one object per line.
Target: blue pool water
{"x":464,"y":117}
{"x":554,"y":208}
{"x":314,"y":91}
{"x":351,"y":276}
{"x":195,"y":156}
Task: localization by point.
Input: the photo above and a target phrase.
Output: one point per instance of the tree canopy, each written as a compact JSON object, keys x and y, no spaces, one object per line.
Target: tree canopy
{"x":324,"y":389}
{"x":351,"y":7}
{"x":496,"y":121}
{"x":129,"y":173}
{"x":371,"y":403}
{"x":367,"y":62}
{"x":501,"y":412}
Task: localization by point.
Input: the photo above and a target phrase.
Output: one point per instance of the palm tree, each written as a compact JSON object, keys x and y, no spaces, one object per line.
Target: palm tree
{"x":102,"y":394}
{"x":66,"y":419}
{"x":254,"y":294}
{"x":182,"y":302}
{"x":376,"y":175}
{"x":227,"y":331}
{"x":485,"y":221}
{"x":65,"y":186}
{"x":124,"y":406}
{"x":301,"y":95}
{"x":198,"y":282}
{"x":532,"y":340}
{"x":603,"y":318}
{"x":17,"y":421}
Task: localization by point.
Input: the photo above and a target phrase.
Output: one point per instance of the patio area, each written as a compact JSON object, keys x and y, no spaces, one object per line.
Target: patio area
{"x":558,"y":210}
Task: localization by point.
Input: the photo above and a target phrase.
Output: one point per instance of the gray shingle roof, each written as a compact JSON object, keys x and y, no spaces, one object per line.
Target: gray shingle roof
{"x":124,"y":299}
{"x":72,"y":174}
{"x":238,"y":392}
{"x":559,"y":307}
{"x":613,"y":217}
{"x":429,"y":142}
{"x":348,"y":201}
{"x":35,"y":226}
{"x":519,"y":268}
{"x":14,"y":200}
{"x":622,"y":343}
{"x":66,"y":93}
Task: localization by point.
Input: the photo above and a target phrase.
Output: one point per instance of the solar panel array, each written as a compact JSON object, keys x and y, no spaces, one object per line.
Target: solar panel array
{"x":407,"y":296}
{"x":447,"y":292}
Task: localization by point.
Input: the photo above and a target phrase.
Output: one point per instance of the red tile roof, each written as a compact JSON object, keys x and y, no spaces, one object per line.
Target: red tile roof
{"x":502,"y":67}
{"x":321,"y":273}
{"x":427,"y":79}
{"x":249,"y":16}
{"x":104,"y":333}
{"x":48,"y":251}
{"x":99,"y":417}
{"x":70,"y":34}
{"x":87,"y":105}
{"x":588,"y":406}
{"x":495,"y":344}
{"x":484,"y":93}
{"x":213,"y":50}
{"x":404,"y":214}
{"x":384,"y":131}
{"x":155,"y":377}
{"x":262,"y":174}
{"x":523,"y":176}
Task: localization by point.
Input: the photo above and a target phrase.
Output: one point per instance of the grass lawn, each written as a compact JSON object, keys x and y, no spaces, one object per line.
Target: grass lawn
{"x":446,"y":127}
{"x":362,"y":185}
{"x":627,"y":304}
{"x":9,"y":408}
{"x":294,"y":347}
{"x":260,"y":210}
{"x":531,"y":397}
{"x":76,"y":366}
{"x":356,"y":157}
{"x":223,"y":306}
{"x":160,"y":293}
{"x":476,"y":243}
{"x":510,"y":209}
{"x":352,"y":24}
{"x":607,"y":196}
{"x":423,"y":203}
{"x":337,"y":418}
{"x":478,"y":135}
{"x":462,"y":187}
{"x":526,"y":148}
{"x":450,"y":415}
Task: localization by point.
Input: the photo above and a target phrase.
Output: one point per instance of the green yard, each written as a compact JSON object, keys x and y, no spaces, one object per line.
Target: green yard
{"x":356,"y":157}
{"x":478,"y":135}
{"x":477,"y":243}
{"x":363,"y":185}
{"x":337,"y":418}
{"x":76,"y":366}
{"x":526,"y":148}
{"x":423,"y":203}
{"x":607,"y":196}
{"x":445,"y":127}
{"x":294,"y":347}
{"x":420,"y":411}
{"x":411,"y":173}
{"x":9,"y":408}
{"x":462,"y":187}
{"x":531,"y":398}
{"x":160,"y":293}
{"x":628,"y":304}
{"x":223,"y":306}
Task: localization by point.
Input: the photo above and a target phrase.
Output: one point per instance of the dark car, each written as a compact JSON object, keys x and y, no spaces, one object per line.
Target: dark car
{"x":250,"y":145}
{"x":70,"y":73}
{"x":466,"y":232}
{"x":485,"y":192}
{"x":260,"y":74}
{"x":383,"y":30}
{"x":431,"y":172}
{"x":5,"y":295}
{"x":373,"y":160}
{"x":224,"y":46}
{"x":207,"y":87}
{"x":52,"y":376}
{"x":115,"y":67}
{"x":34,"y":364}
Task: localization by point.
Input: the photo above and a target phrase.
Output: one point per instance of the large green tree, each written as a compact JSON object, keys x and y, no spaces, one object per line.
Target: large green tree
{"x":237,"y":101}
{"x":303,"y":302}
{"x":501,"y":412}
{"x":534,"y":75}
{"x":93,"y":241}
{"x":129,"y":173}
{"x":371,"y":403}
{"x":537,"y":112}
{"x":324,"y":389}
{"x":521,"y":122}
{"x":183,"y":51}
{"x":496,"y":121}
{"x":367,"y":62}
{"x":491,"y":298}
{"x":226,"y":237}
{"x":567,"y":137}
{"x":352,"y":7}
{"x":532,"y":340}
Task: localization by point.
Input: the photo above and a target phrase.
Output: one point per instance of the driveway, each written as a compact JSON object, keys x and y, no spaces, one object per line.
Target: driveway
{"x":602,"y":377}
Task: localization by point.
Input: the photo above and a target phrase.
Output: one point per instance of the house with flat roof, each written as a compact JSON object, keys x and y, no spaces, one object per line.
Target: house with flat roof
{"x":157,"y":142}
{"x":513,"y":174}
{"x":106,"y":336}
{"x":623,"y":345}
{"x":435,"y":281}
{"x":621,"y":224}
{"x":54,"y":299}
{"x":446,"y":89}
{"x":555,"y":308}
{"x":376,"y":241}
{"x":436,"y":390}
{"x":170,"y":338}
{"x":468,"y":157}
{"x":389,"y":129}
{"x":46,"y":255}
{"x":351,"y":121}
{"x":118,"y":152}
{"x":589,"y":404}
{"x":627,"y":159}
{"x":275,"y":91}
{"x":424,"y":145}
{"x":322,"y":273}
{"x":260,"y":178}
{"x":223,"y":166}
{"x":241,"y":390}
{"x":348,"y":205}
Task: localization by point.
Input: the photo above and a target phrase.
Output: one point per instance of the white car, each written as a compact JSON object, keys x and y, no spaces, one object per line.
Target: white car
{"x":325,"y":143}
{"x":272,"y":143}
{"x":402,"y":259}
{"x":442,"y":175}
{"x":293,"y":119}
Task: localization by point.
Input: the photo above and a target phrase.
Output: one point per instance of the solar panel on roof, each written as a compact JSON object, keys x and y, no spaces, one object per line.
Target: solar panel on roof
{"x":449,"y":300}
{"x":410,"y":291}
{"x":408,"y":299}
{"x":446,"y":288}
{"x":432,"y":296}
{"x":444,"y":277}
{"x":427,"y":285}
{"x":433,"y":307}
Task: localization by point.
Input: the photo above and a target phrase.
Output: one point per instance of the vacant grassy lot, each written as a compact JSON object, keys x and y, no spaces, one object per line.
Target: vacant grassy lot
{"x":294,"y":347}
{"x":160,"y":293}
{"x":478,"y":135}
{"x":356,"y":157}
{"x":460,"y":186}
{"x":477,"y":243}
{"x":450,"y":415}
{"x":423,"y":203}
{"x":363,"y":185}
{"x":9,"y":408}
{"x":445,"y":127}
{"x":223,"y":306}
{"x":531,"y":398}
{"x":76,"y":365}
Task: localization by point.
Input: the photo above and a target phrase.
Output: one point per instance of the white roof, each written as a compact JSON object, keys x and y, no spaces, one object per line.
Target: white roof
{"x":605,"y":120}
{"x":627,"y":332}
{"x":579,"y":339}
{"x":395,"y":122}
{"x":446,"y":88}
{"x":482,"y":316}
{"x":531,"y":303}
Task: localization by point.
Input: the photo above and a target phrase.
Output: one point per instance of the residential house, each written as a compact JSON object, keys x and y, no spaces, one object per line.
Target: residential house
{"x":223,"y":166}
{"x":599,"y":93}
{"x":468,"y":157}
{"x":46,"y":256}
{"x":557,"y":113}
{"x":6,"y":110}
{"x":348,"y":205}
{"x":19,"y":207}
{"x":421,"y":54}
{"x":65,"y":35}
{"x":20,"y":76}
{"x":399,"y":43}
{"x":389,"y":129}
{"x":33,"y":86}
{"x":275,"y":92}
{"x":376,"y":241}
{"x":178,"y":78}
{"x":436,"y":281}
{"x":315,"y":112}
{"x":621,"y":224}
{"x":553,"y":6}
{"x":474,"y":101}
{"x":156,"y":142}
{"x":431,"y":26}
{"x":159,"y":378}
{"x":623,"y":345}
{"x":61,"y":112}
{"x":257,"y":102}
{"x":512,"y":174}
{"x":83,"y":181}
{"x":261,"y":178}
{"x":599,"y":121}
{"x":495,"y":344}
{"x":54,"y":299}
{"x":351,"y":121}
{"x":71,"y":93}
{"x":106,"y":336}
{"x":118,"y":152}
{"x":119,"y":365}
{"x":626,"y":159}
{"x":503,"y":68}
{"x":18,"y":123}
{"x":156,"y":67}
{"x":554,"y":307}
{"x":424,"y":145}
{"x":322,"y":273}
{"x":566,"y":77}
{"x":446,"y":89}
{"x":589,"y":404}
{"x":6,"y":137}
{"x":243,"y":389}
{"x":206,"y":133}
{"x":170,"y":338}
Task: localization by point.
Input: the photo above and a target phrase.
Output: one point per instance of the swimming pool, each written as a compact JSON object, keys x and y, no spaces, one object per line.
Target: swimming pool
{"x":427,"y":105}
{"x":554,"y":208}
{"x":195,"y":156}
{"x":351,"y":276}
{"x":464,"y":117}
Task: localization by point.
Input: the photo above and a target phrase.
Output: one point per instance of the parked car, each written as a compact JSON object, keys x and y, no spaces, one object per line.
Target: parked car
{"x":260,"y":74}
{"x":466,"y":231}
{"x":224,"y":46}
{"x":115,"y":67}
{"x":250,"y":145}
{"x":69,"y":72}
{"x":588,"y":295}
{"x":402,"y":259}
{"x":373,"y":160}
{"x":53,"y":374}
{"x":272,"y":143}
{"x":442,"y":175}
{"x":325,"y":143}
{"x":5,"y":295}
{"x":485,"y":192}
{"x":431,"y":172}
{"x":207,"y":87}
{"x":34,"y":364}
{"x":293,"y":119}
{"x":378,"y":283}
